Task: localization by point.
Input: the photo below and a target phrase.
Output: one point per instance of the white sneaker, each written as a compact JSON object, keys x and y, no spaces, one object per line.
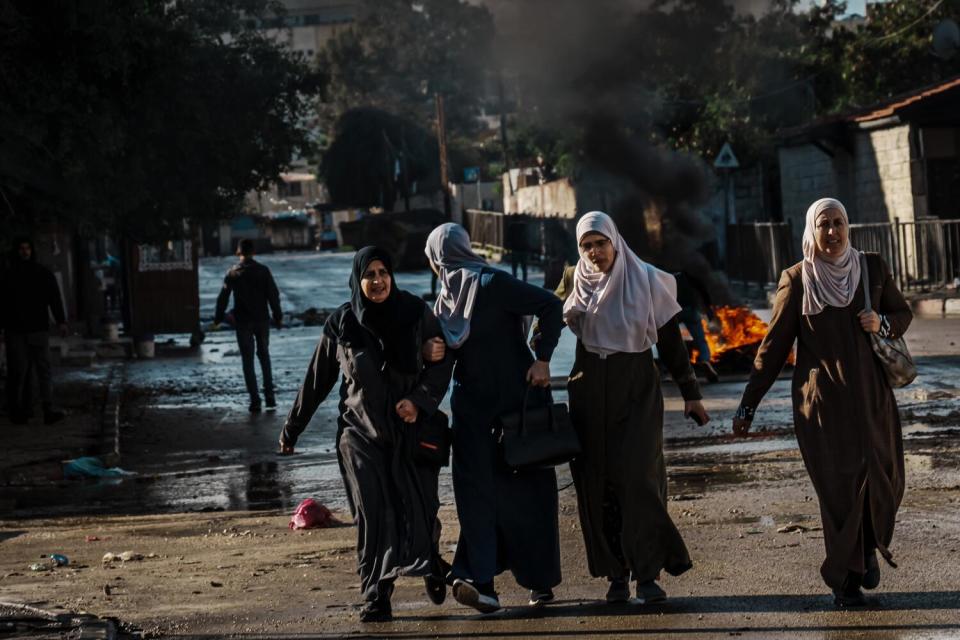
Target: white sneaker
{"x":467,"y":595}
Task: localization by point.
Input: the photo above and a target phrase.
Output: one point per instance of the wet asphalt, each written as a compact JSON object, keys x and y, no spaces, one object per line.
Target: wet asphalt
{"x":186,"y":432}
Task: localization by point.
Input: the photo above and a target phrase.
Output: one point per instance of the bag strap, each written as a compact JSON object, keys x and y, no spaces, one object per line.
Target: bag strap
{"x":523,"y":410}
{"x":865,"y":278}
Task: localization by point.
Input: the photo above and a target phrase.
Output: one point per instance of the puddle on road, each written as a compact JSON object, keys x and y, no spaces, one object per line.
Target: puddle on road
{"x":745,"y":447}
{"x":260,"y":485}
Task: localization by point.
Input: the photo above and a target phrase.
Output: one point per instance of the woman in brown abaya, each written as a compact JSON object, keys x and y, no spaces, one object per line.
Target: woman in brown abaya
{"x":844,"y":412}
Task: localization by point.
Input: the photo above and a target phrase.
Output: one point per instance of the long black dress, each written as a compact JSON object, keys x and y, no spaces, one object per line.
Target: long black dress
{"x":508,"y":520}
{"x":616,"y":405}
{"x":394,"y":502}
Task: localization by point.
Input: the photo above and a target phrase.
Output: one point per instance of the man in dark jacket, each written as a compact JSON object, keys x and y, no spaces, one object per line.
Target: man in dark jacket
{"x":693,"y":297}
{"x":30,"y":293}
{"x":255,"y":296}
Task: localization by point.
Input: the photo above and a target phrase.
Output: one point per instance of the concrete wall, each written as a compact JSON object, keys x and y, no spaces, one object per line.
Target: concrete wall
{"x":748,"y":197}
{"x":806,"y":174}
{"x":556,"y":198}
{"x":465,"y":196}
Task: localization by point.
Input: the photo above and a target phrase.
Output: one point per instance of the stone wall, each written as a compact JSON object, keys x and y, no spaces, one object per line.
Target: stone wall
{"x":881,"y":177}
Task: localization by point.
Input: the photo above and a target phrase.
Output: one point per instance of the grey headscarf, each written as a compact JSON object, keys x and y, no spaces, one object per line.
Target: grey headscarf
{"x":827,"y":281}
{"x":448,"y":249}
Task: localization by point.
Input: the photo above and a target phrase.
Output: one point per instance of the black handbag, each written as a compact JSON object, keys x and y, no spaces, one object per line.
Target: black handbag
{"x":431,"y":440}
{"x":540,"y":437}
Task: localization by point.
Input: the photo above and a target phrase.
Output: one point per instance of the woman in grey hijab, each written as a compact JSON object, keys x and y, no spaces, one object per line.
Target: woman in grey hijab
{"x":844,"y":412}
{"x":508,"y":519}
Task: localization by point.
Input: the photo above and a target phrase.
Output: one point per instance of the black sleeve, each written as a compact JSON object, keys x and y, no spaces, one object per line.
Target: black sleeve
{"x":530,"y":300}
{"x":673,"y":354}
{"x":222,"y":299}
{"x":435,"y":376}
{"x":55,"y":300}
{"x":322,"y":374}
{"x":273,"y":297}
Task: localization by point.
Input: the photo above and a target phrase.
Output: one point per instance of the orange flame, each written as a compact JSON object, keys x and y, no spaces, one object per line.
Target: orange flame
{"x":738,"y":326}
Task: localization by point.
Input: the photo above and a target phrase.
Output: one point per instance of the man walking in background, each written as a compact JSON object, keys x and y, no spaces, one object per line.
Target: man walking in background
{"x":694,"y":298}
{"x":255,"y":296}
{"x":30,"y":293}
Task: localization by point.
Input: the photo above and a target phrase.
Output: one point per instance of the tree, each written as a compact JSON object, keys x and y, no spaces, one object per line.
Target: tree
{"x":133,"y":116}
{"x":888,"y":55}
{"x":400,"y":53}
{"x":377,"y":157}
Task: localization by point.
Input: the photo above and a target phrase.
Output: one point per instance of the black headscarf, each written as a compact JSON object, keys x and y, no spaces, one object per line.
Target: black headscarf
{"x":395,"y":321}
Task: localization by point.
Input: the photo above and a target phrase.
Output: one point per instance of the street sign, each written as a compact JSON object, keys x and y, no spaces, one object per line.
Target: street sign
{"x":725,"y":159}
{"x":471,"y":174}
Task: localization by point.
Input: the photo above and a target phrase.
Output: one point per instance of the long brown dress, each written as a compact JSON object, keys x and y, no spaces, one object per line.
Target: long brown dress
{"x":616,"y":406}
{"x":844,"y":414}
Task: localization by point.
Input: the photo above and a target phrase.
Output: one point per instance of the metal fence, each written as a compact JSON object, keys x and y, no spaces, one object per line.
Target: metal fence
{"x":758,"y":251}
{"x":923,"y":255}
{"x":544,"y":237}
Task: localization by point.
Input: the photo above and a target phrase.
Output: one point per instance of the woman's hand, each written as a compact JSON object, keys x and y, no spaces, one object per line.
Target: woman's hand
{"x":407,"y":411}
{"x":434,"y":350}
{"x":694,"y":409}
{"x":286,"y":449}
{"x":870,"y":321}
{"x":741,"y":426}
{"x":539,"y":374}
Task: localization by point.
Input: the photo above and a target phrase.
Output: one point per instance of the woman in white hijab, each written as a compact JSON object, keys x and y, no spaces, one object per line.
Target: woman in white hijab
{"x":844,"y":412}
{"x":619,"y":307}
{"x":508,"y":520}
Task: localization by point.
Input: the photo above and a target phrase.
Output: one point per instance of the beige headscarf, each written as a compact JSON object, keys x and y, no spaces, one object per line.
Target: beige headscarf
{"x":827,"y":281}
{"x":621,"y":310}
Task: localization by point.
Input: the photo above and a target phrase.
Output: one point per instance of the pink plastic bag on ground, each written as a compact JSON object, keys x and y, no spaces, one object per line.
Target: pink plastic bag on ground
{"x":310,"y":514}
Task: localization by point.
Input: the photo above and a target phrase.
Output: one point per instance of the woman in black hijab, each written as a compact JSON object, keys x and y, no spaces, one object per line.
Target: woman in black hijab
{"x":374,"y":343}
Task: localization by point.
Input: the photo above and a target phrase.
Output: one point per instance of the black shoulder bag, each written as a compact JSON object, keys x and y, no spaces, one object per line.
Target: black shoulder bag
{"x":540,"y":437}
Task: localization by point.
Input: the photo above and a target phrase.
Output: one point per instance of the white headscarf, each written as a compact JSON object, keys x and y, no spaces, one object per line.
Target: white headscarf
{"x":827,"y":281}
{"x":448,"y":249}
{"x":621,"y":310}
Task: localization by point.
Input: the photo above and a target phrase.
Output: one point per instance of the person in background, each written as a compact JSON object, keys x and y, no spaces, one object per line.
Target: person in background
{"x":517,"y":244}
{"x":374,"y":346}
{"x":844,"y":411}
{"x":694,"y":298}
{"x":30,"y":293}
{"x":255,"y":297}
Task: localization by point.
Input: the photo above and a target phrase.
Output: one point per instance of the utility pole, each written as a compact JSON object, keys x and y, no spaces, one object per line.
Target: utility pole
{"x":442,"y":138}
{"x":503,"y":133}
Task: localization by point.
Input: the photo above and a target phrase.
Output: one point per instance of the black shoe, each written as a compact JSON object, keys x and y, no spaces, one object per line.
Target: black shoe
{"x":255,"y":407}
{"x":53,"y":416}
{"x":378,"y":610}
{"x":270,"y":402}
{"x":649,"y":592}
{"x":871,"y":579}
{"x":849,"y":597}
{"x":540,"y":597}
{"x":619,"y":591}
{"x":19,"y":419}
{"x":468,"y":595}
{"x":436,"y":588}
